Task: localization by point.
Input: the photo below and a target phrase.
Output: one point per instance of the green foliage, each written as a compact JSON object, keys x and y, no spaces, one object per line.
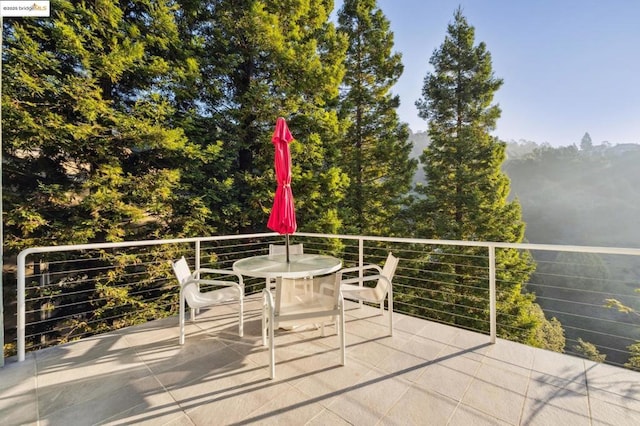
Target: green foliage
{"x":89,"y":151}
{"x":634,"y":357}
{"x":375,"y":150}
{"x":139,"y":120}
{"x":549,"y":335}
{"x":99,"y":292}
{"x":131,"y":120}
{"x":270,"y":59}
{"x":589,"y":351}
{"x":633,"y":361}
{"x":465,"y":197}
{"x":619,"y":306}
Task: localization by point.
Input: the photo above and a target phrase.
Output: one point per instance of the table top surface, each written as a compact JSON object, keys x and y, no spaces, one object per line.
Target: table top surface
{"x":299,"y":265}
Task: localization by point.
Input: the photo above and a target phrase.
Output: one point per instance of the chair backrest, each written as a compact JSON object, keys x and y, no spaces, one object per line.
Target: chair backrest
{"x":282,"y":249}
{"x":388,"y":271}
{"x":325,"y":297}
{"x":181,"y":269}
{"x":328,"y":286}
{"x":183,"y":273}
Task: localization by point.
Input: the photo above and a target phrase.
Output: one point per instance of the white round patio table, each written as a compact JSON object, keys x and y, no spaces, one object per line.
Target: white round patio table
{"x":276,"y":266}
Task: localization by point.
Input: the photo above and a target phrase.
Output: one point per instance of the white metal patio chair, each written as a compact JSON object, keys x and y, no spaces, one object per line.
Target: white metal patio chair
{"x":190,"y":291}
{"x":282,"y":249}
{"x":305,"y":285}
{"x":323,"y":306}
{"x":382,"y":290}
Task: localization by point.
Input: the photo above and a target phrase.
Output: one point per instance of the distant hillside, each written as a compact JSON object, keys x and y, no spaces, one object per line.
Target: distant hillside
{"x":583,"y":197}
{"x":573,"y":196}
{"x":522,"y":148}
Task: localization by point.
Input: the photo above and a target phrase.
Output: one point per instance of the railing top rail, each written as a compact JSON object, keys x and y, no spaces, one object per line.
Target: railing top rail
{"x":141,"y":243}
{"x":521,"y":246}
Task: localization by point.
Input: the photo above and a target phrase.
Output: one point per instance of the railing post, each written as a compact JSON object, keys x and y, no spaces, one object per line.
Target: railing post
{"x":197,"y":265}
{"x":21,"y":306}
{"x":492,"y":294}
{"x":360,"y":263}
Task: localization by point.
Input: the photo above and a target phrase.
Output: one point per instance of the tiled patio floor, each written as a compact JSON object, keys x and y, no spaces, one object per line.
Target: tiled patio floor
{"x":427,"y":374}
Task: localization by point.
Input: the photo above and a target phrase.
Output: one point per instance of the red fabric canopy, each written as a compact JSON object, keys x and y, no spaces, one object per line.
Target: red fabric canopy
{"x":283,"y":215}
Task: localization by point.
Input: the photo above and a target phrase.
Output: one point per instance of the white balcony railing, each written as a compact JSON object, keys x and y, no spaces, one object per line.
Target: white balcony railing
{"x":67,"y":292}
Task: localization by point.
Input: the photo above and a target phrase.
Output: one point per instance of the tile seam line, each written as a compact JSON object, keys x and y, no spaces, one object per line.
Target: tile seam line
{"x":162,"y":386}
{"x":37,"y":387}
{"x":475,"y":375}
{"x":526,"y":392}
{"x":386,"y":413}
{"x":586,"y":385}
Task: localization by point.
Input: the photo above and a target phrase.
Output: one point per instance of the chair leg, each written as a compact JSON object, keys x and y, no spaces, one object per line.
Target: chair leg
{"x":181,"y":319}
{"x":390,"y":296}
{"x":241,"y":319}
{"x":341,"y":334}
{"x":264,"y":319}
{"x":272,"y":346}
{"x":308,"y":287}
{"x":268,"y":326}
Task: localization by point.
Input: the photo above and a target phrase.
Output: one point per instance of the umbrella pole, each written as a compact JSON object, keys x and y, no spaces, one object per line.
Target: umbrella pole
{"x":287,"y":246}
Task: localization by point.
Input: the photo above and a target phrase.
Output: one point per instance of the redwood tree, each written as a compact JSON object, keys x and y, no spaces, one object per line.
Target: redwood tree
{"x":465,"y":197}
{"x":375,"y":150}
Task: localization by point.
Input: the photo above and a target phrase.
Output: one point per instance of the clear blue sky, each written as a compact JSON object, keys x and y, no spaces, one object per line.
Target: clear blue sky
{"x":569,"y":66}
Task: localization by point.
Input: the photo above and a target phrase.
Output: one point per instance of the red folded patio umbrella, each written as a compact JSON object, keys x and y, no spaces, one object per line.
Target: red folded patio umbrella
{"x":283,"y":215}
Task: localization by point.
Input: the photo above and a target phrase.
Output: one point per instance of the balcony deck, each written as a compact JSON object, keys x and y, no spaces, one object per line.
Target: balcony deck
{"x":426,"y":374}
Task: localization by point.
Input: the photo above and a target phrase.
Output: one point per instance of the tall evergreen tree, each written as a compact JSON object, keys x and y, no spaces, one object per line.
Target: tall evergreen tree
{"x":586,"y":144}
{"x":89,"y":155}
{"x":206,"y":193}
{"x":466,"y":193}
{"x":376,"y":148}
{"x":268,"y":59}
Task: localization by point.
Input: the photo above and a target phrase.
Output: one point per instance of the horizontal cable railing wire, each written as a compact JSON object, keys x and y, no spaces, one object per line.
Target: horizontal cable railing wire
{"x":585,"y":292}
